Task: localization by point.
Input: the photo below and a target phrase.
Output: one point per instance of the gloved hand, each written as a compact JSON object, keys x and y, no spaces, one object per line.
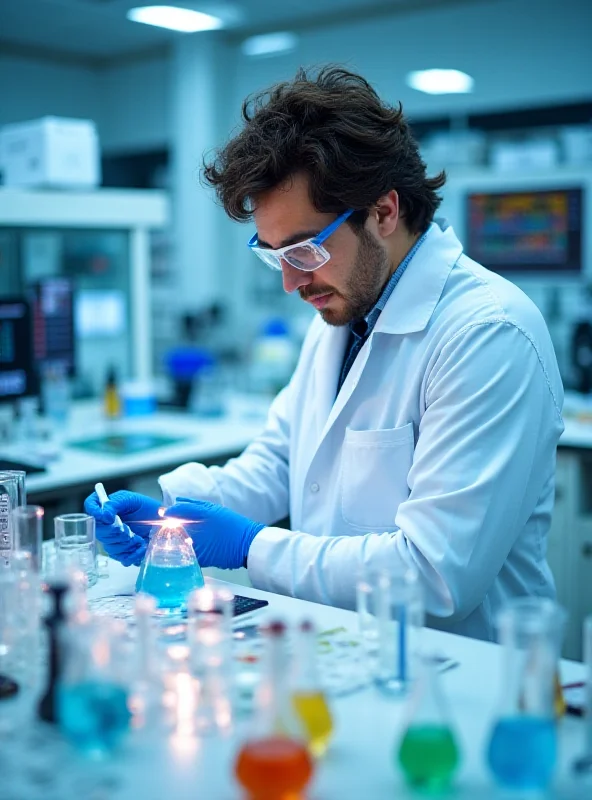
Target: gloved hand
{"x":221,"y":537}
{"x":137,"y":512}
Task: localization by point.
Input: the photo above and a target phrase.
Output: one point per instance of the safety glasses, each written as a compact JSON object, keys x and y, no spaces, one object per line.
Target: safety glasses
{"x":308,"y":255}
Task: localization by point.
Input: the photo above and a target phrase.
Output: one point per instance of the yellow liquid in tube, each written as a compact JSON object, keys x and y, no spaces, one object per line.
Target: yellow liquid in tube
{"x":314,"y":714}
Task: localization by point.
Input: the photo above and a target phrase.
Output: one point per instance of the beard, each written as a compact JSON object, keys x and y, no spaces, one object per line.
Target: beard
{"x":368,"y":275}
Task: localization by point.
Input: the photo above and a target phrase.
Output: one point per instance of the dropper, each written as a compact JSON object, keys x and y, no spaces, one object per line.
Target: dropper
{"x":104,"y":498}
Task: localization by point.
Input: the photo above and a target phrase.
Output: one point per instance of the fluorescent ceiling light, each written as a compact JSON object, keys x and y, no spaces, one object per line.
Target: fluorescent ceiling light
{"x":269,"y":44}
{"x":175,"y":19}
{"x":440,"y":81}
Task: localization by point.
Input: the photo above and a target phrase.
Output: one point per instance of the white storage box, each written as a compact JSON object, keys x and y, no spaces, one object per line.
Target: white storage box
{"x":52,"y":151}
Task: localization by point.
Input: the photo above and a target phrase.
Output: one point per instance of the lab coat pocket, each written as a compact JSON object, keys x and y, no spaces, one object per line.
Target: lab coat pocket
{"x":375,"y":467}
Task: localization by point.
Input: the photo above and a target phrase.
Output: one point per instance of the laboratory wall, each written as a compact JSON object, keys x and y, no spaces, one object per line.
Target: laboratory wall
{"x":32,"y":87}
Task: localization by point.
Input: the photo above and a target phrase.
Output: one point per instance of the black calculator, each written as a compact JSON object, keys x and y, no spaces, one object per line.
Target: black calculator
{"x":244,"y":605}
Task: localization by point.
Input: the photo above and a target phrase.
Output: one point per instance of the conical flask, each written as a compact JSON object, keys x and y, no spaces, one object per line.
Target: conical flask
{"x":428,"y":753}
{"x":274,"y":763}
{"x":170,"y":571}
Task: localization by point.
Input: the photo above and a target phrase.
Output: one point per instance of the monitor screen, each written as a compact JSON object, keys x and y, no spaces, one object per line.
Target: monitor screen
{"x":16,"y":355}
{"x":53,"y":323}
{"x":527,"y":231}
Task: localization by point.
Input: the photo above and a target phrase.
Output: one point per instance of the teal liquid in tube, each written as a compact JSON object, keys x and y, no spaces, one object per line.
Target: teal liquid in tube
{"x":170,"y":571}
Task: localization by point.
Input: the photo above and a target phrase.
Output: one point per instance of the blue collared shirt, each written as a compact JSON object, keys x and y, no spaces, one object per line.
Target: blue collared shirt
{"x":360,"y":329}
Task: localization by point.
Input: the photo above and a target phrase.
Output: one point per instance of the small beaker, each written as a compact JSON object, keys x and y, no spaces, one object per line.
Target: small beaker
{"x":75,"y":545}
{"x":170,"y":571}
{"x":523,"y":746}
{"x":28,"y":532}
{"x":93,"y":687}
{"x":209,"y":635}
{"x":391,"y":618}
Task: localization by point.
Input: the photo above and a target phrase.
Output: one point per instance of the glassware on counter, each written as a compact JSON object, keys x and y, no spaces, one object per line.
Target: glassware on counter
{"x":170,"y":571}
{"x":522,"y":750}
{"x":27,"y":522}
{"x":75,"y":545}
{"x":93,"y":685}
{"x":310,"y":702}
{"x":274,"y":762}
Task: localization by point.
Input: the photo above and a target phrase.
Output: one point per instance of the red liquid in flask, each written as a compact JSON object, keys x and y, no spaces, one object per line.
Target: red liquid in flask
{"x":274,"y":768}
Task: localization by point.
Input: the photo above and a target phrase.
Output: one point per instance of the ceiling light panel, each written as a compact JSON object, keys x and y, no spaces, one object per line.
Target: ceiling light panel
{"x":440,"y":81}
{"x":174,"y":18}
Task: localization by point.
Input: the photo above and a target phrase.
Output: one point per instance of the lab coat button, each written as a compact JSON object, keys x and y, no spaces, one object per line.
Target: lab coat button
{"x":314,"y":487}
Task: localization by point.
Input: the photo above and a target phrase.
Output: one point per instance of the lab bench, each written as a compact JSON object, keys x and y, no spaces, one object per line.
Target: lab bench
{"x":361,"y":762}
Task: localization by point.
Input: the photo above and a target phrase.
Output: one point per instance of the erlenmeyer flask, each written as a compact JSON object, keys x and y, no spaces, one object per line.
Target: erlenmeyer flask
{"x":523,"y":746}
{"x":170,"y":571}
{"x":428,"y":753}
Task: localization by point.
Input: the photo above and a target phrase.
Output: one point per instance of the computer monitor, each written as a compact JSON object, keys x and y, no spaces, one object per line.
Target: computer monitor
{"x":534,"y":231}
{"x":16,"y":353}
{"x":53,"y":324}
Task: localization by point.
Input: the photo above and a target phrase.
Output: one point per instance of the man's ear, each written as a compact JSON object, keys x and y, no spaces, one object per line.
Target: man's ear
{"x":386,"y":213}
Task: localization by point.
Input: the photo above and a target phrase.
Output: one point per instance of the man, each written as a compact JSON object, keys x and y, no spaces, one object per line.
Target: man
{"x":420,"y":426}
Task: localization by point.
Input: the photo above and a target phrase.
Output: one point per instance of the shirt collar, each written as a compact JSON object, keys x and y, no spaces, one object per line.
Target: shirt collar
{"x":410,"y":308}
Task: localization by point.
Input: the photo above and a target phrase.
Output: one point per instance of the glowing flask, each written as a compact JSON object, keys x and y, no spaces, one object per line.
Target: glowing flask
{"x":170,"y":571}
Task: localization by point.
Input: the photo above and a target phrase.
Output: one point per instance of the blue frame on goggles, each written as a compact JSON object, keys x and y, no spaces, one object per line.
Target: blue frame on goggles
{"x":308,"y":255}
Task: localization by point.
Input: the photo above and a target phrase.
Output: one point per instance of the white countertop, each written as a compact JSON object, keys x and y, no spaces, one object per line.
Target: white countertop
{"x":360,"y":763}
{"x":202,"y":439}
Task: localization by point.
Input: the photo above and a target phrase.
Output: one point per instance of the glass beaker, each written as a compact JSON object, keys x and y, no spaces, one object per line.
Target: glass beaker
{"x":92,"y":692}
{"x":391,"y":618}
{"x":28,"y":532}
{"x":75,"y":545}
{"x":170,"y":571}
{"x":428,"y":753}
{"x":11,"y":487}
{"x":523,"y":746}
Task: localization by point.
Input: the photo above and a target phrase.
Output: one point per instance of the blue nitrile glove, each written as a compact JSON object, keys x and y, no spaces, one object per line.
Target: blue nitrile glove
{"x":221,"y":537}
{"x":138,"y":513}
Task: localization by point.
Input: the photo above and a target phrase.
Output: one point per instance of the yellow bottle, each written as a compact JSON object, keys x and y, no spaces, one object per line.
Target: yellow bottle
{"x":111,"y":399}
{"x":308,"y":699}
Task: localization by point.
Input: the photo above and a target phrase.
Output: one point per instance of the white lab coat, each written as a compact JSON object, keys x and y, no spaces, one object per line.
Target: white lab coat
{"x":438,"y":452}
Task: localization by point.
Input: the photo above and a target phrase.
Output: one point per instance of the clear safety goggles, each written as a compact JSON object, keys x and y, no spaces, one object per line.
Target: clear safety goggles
{"x":308,"y":255}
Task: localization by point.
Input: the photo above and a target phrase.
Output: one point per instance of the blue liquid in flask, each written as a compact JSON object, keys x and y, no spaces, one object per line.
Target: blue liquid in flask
{"x":170,"y":571}
{"x":523,"y":751}
{"x":171,"y":585}
{"x":94,"y":715}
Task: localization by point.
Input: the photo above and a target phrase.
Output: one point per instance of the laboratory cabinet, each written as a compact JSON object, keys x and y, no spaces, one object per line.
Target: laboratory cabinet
{"x":570,"y":542}
{"x":97,"y":243}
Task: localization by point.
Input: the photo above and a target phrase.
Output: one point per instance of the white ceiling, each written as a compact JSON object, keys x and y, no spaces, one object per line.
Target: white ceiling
{"x":98,"y":29}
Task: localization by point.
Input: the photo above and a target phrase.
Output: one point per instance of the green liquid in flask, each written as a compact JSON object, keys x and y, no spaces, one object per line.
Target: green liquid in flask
{"x":428,"y":757}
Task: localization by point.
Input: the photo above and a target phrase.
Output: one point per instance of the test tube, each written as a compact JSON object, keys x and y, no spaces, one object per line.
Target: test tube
{"x":209,"y":613}
{"x":28,"y":532}
{"x":391,"y":616}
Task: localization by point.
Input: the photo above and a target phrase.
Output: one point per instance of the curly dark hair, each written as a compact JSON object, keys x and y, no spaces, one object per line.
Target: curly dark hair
{"x":332,"y":126}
